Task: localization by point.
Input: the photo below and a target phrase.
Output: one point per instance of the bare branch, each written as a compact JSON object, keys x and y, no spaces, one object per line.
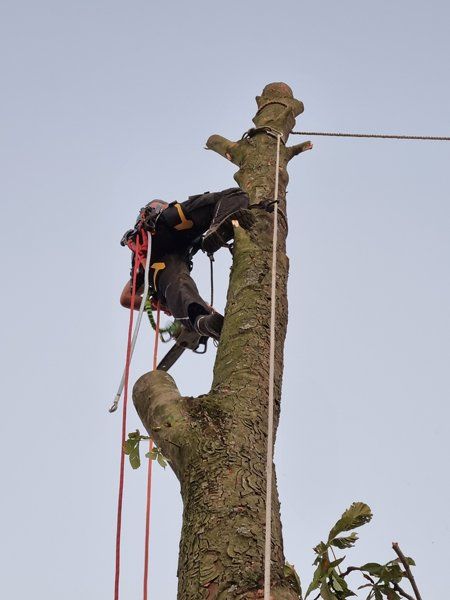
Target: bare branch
{"x":349,"y":570}
{"x":405,"y":564}
{"x":402,"y":592}
{"x":219,"y":144}
{"x":224,"y":147}
{"x":298,"y":149}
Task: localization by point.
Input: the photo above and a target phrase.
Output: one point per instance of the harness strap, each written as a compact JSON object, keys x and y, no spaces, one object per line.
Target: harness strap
{"x":156,"y":268}
{"x":185,"y":223}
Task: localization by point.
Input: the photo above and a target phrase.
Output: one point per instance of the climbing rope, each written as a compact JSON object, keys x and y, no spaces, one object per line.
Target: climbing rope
{"x":147,"y":520}
{"x":131,"y":342}
{"x":269,"y":458}
{"x":150,"y":468}
{"x":138,"y":261}
{"x":122,"y":454}
{"x":383,"y":136}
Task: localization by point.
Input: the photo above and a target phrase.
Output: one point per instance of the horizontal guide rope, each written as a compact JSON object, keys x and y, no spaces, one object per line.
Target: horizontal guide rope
{"x":381,"y":136}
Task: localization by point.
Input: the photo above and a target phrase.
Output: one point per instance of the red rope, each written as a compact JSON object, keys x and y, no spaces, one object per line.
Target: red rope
{"x":147,"y":521}
{"x":139,"y":249}
{"x":149,"y":470}
{"x":124,"y":428}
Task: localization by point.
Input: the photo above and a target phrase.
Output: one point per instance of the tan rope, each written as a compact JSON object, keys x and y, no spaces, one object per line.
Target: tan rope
{"x":381,"y":136}
{"x":269,"y":459}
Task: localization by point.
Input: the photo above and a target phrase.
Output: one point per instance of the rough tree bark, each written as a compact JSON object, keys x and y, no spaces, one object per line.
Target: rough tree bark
{"x":216,"y":443}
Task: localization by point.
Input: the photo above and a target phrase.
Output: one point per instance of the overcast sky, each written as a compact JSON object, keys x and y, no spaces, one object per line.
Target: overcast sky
{"x":106,"y":105}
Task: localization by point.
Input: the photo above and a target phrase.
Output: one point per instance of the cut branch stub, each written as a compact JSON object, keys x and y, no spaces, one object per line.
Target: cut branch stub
{"x":277,"y":110}
{"x":161,"y":409}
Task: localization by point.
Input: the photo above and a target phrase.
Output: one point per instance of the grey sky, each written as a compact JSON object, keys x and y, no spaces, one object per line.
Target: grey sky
{"x":108,"y":104}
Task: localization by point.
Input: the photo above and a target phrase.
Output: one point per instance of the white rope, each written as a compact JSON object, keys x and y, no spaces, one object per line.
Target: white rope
{"x":115,"y":404}
{"x":269,"y":460}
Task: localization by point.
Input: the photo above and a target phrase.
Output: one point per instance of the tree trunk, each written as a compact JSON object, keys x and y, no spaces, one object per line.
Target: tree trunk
{"x":216,"y":443}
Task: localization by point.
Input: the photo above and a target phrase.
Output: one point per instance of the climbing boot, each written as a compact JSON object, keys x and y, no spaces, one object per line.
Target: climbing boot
{"x":209,"y":325}
{"x":219,"y":234}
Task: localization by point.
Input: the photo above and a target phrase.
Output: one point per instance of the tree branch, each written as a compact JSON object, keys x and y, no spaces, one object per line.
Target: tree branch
{"x":402,"y":592}
{"x":232,"y":151}
{"x":409,"y":574}
{"x":298,"y":149}
{"x":162,"y":411}
{"x":349,"y":570}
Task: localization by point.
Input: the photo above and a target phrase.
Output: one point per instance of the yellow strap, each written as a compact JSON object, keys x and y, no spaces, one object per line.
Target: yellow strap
{"x":157,"y":267}
{"x":185,"y":223}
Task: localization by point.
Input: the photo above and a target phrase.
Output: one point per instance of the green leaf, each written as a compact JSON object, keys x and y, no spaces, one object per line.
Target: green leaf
{"x":131,"y":447}
{"x":372,"y":568}
{"x":326,"y":593}
{"x":320,"y":549}
{"x":338,"y":583}
{"x":345,"y":542}
{"x":357,"y":515}
{"x":335,"y":563}
{"x":319,"y":574}
{"x":378,"y":594}
{"x":391,"y":594}
{"x":128,"y":446}
{"x":292,"y":577}
{"x":392,"y":573}
{"x":161,"y":461}
{"x":156,"y":454}
{"x":408,"y":559}
{"x":153,"y":454}
{"x":340,"y":586}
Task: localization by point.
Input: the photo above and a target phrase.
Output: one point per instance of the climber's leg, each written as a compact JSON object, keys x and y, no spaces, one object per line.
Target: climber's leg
{"x":177,"y":290}
{"x":231,"y":205}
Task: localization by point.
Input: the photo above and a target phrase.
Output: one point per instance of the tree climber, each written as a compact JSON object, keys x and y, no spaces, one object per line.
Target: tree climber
{"x":178,"y":232}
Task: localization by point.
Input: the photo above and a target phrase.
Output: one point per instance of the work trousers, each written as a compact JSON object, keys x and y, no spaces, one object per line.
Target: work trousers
{"x":178,"y":230}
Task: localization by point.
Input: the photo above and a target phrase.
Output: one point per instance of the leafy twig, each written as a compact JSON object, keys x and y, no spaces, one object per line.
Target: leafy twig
{"x":409,"y":574}
{"x":131,"y":448}
{"x":369,"y":578}
{"x":350,"y":570}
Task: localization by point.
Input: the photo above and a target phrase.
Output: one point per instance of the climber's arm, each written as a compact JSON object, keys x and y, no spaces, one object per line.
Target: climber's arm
{"x":126,"y":295}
